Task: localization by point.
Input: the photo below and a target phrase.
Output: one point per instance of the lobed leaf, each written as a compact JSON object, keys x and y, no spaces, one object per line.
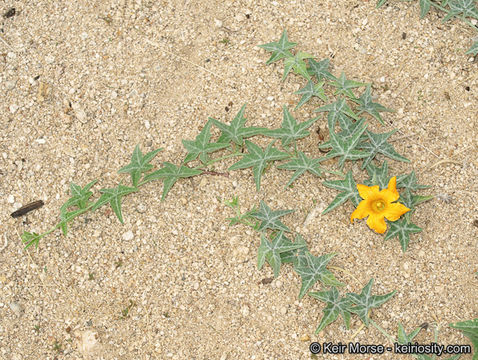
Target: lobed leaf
{"x":473,"y":50}
{"x":348,"y":186}
{"x":378,"y":145}
{"x":314,"y":270}
{"x":320,"y":69}
{"x":300,"y":165}
{"x":345,"y":86}
{"x":258,"y":160}
{"x":279,"y":49}
{"x":270,"y":219}
{"x":310,"y":90}
{"x":336,"y":306}
{"x":401,"y":228}
{"x":365,"y":301}
{"x":271,"y":251}
{"x":171,"y":173}
{"x":367,"y":105}
{"x":201,"y":145}
{"x":470,"y":330}
{"x":236,"y":132}
{"x":290,"y":130}
{"x":297,"y":64}
{"x":139,"y":164}
{"x":113,"y":196}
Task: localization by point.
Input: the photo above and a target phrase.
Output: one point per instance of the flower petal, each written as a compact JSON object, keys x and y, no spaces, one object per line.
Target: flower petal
{"x":362,"y":210}
{"x":366,"y":191}
{"x":377,"y":223}
{"x":394,"y":211}
{"x":391,"y":190}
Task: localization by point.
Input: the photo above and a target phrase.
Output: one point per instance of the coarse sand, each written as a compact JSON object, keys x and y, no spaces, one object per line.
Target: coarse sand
{"x":83,"y":82}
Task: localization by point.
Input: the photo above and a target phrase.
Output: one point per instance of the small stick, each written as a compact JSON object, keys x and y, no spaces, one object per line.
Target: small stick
{"x":27,"y":208}
{"x":208,"y":172}
{"x":5,"y":244}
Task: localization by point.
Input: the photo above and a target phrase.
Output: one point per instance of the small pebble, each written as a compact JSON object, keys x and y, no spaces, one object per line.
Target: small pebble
{"x":11,"y":199}
{"x":218,"y":23}
{"x":10,"y":84}
{"x":16,"y":308}
{"x":141,"y":208}
{"x":305,"y":338}
{"x":127,"y":236}
{"x":50,"y":59}
{"x":13,"y":108}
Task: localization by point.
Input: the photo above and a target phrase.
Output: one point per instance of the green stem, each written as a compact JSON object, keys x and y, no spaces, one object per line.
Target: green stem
{"x":379,"y":328}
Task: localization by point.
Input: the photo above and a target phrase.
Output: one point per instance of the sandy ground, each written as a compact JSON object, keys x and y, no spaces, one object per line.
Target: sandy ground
{"x":83,"y":82}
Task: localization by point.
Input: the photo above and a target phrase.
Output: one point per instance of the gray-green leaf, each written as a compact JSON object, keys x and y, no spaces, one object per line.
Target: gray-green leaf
{"x":171,"y":173}
{"x":336,"y":306}
{"x":258,"y":160}
{"x":315,"y":270}
{"x":348,"y":186}
{"x":113,"y":196}
{"x":401,"y":228}
{"x":378,"y":144}
{"x":300,"y":165}
{"x":309,"y":91}
{"x":366,"y":104}
{"x":365,"y":301}
{"x":201,"y":145}
{"x":271,"y":251}
{"x":279,"y":49}
{"x":270,"y":219}
{"x":139,"y":164}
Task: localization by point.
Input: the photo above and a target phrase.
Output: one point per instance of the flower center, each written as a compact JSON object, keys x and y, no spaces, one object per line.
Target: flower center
{"x":379,"y":205}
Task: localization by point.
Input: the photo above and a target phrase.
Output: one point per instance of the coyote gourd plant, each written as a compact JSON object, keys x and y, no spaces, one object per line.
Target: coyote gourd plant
{"x":349,"y":141}
{"x":462,"y":9}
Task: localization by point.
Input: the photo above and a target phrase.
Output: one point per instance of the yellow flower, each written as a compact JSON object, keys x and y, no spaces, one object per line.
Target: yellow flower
{"x":377,"y":205}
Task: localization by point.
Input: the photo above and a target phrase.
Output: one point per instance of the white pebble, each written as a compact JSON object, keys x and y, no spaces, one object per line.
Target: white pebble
{"x":13,"y":108}
{"x":11,"y":199}
{"x":218,"y":23}
{"x":40,"y":141}
{"x":127,"y":236}
{"x":147,"y":124}
{"x":10,"y":84}
{"x":50,"y":59}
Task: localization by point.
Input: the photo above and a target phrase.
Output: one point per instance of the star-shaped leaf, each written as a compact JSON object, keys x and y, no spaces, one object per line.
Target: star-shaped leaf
{"x":79,"y":198}
{"x":345,"y":86}
{"x":336,"y":306}
{"x":171,"y":173}
{"x":309,"y":91}
{"x":201,"y":146}
{"x":470,"y":330}
{"x":377,"y":175}
{"x":236,"y":132}
{"x":79,"y":195}
{"x":348,"y":186}
{"x":271,"y":251}
{"x":366,"y":104}
{"x":320,"y":69}
{"x":291,"y":130}
{"x":366,"y":301}
{"x":30,"y":238}
{"x":113,"y":196}
{"x":424,"y":8}
{"x":473,"y":50}
{"x":465,"y":8}
{"x":279,"y":49}
{"x":315,"y":270}
{"x":297,"y":64}
{"x":258,"y":160}
{"x":378,"y":144}
{"x":139,"y":164}
{"x":411,"y":200}
{"x":401,"y":228}
{"x":403,"y":337}
{"x":300,"y":165}
{"x":410,"y":182}
{"x":270,"y":219}
{"x":296,"y":257}
{"x":338,"y":111}
{"x":346,"y":148}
